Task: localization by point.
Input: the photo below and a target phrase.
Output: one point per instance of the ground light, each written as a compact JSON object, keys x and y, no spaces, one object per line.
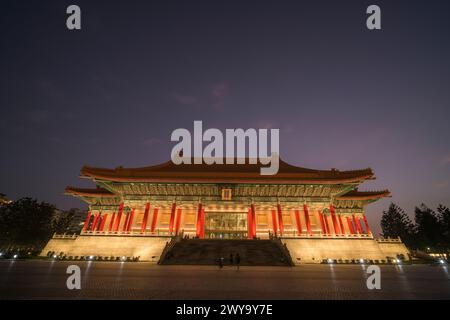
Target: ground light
{"x":15,"y":256}
{"x":91,"y":257}
{"x":1,"y":254}
{"x":54,"y":256}
{"x":361,"y":260}
{"x":330,"y":260}
{"x":123,"y":258}
{"x":441,"y":261}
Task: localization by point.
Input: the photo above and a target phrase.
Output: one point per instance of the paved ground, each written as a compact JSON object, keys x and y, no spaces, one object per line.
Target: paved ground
{"x":105,"y":280}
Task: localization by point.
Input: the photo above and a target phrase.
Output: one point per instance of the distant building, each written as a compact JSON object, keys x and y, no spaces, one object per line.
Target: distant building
{"x":4,"y":200}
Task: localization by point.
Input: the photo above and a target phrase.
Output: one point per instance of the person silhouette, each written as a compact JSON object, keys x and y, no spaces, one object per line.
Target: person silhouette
{"x":231,"y":259}
{"x":238,"y":260}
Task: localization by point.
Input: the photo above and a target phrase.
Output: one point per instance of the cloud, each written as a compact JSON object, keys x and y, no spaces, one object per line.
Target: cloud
{"x":219,"y":92}
{"x":152,"y":141}
{"x":442,"y":184}
{"x":185,"y":99}
{"x":266,"y":124}
{"x":445,"y":160}
{"x":214,"y":97}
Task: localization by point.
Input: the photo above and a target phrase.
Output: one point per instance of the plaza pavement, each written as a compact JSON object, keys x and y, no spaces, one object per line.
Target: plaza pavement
{"x":109,"y":280}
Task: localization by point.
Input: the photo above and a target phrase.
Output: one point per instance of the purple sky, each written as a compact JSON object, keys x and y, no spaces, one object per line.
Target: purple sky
{"x":112,"y":93}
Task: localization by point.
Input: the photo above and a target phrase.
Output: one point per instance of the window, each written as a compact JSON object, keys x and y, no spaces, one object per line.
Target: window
{"x":287,"y":219}
{"x":165,"y":218}
{"x":189,"y":218}
{"x":261,"y":219}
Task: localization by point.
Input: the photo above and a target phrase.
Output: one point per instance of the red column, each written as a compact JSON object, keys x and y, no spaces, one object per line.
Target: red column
{"x":178,"y":221}
{"x":86,"y":222}
{"x":172,"y":217}
{"x":94,"y":223}
{"x":307,"y":221}
{"x":350,"y":226}
{"x":125,"y":224}
{"x":119,"y":216}
{"x":250,"y":223}
{"x":202,"y":225}
{"x":102,"y":224}
{"x":299,"y":223}
{"x":322,"y":223}
{"x":144,"y":220}
{"x":335,"y":223}
{"x":280,"y":218}
{"x":252,"y":207}
{"x":356,"y":225}
{"x":198,"y":230}
{"x":327,"y":227}
{"x":274,"y":222}
{"x":360,"y":220}
{"x":367,"y":225}
{"x":341,"y":224}
{"x":130,"y":220}
{"x":111,"y":223}
{"x":154,"y":219}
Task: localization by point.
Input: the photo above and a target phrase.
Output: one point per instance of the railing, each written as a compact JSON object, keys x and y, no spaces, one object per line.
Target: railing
{"x":296,"y":235}
{"x":389,"y":240}
{"x":129,"y":233}
{"x":65,"y":236}
{"x":169,"y":246}
{"x":284,"y":249}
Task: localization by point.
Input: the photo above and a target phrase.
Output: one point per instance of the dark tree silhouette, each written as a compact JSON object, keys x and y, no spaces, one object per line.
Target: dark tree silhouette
{"x":26,"y":222}
{"x":427,"y":227}
{"x":443,"y":214}
{"x":62,"y":222}
{"x":396,"y":223}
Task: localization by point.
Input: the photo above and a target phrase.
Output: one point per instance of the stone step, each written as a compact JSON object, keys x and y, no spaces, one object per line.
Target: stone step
{"x":207,"y":252}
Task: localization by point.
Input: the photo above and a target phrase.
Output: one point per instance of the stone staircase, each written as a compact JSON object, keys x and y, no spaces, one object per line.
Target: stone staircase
{"x":206,"y":252}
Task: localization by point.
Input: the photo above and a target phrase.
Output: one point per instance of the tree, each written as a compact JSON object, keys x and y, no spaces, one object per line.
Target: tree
{"x":396,"y":223}
{"x":428,"y":229}
{"x":62,"y":222}
{"x":26,"y":222}
{"x":444,"y":222}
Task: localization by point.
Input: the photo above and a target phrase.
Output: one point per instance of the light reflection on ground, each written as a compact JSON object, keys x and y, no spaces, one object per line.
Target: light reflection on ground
{"x":125,"y":280}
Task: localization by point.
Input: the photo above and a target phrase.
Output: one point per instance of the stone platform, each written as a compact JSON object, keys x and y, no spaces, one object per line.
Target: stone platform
{"x":316,"y":250}
{"x":147,"y":248}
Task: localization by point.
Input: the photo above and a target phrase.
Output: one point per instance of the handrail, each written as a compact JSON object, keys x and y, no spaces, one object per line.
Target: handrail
{"x":169,"y":246}
{"x":65,"y":236}
{"x":325,"y":236}
{"x":128,"y":233}
{"x":284,"y":249}
{"x":389,"y":240}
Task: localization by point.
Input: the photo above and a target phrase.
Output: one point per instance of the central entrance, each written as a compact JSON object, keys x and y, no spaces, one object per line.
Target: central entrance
{"x":226,"y":225}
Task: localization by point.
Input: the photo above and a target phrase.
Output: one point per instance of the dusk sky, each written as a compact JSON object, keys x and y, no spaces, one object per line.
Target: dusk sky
{"x":111,"y":93}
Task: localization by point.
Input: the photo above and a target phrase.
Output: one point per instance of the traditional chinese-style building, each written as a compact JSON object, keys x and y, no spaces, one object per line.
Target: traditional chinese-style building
{"x":317,"y":214}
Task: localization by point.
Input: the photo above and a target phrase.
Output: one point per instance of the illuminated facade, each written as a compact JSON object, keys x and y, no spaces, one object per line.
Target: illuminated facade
{"x":228,"y":202}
